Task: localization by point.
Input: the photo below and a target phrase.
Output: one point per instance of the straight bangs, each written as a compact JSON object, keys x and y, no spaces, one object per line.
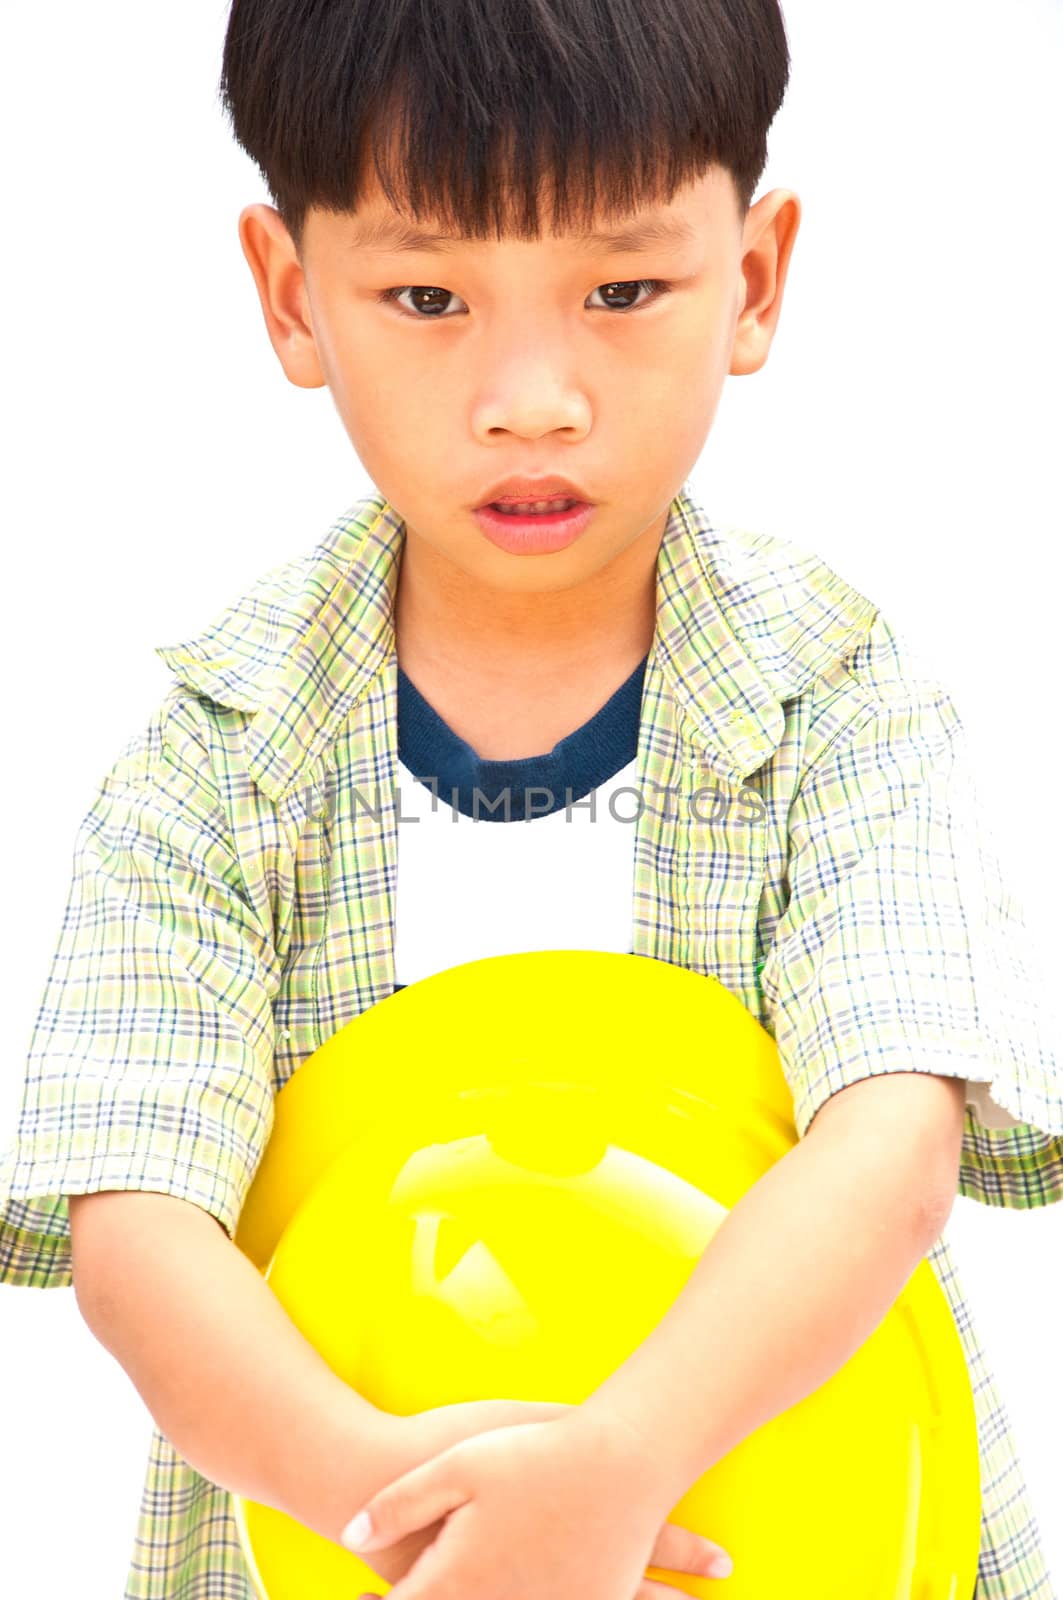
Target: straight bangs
{"x":485,"y":116}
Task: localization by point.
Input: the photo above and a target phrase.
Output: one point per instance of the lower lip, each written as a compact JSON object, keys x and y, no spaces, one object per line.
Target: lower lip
{"x":534,"y":535}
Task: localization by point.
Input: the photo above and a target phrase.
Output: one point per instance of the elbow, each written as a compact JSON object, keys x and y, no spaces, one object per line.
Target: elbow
{"x":943,"y":1180}
{"x":84,"y":1266}
{"x":933,"y":1218}
{"x":937,"y":1194}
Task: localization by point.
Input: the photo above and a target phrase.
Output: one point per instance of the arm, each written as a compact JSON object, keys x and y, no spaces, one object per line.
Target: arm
{"x":240,"y":1393}
{"x":800,"y":1273}
{"x":223,"y":1370}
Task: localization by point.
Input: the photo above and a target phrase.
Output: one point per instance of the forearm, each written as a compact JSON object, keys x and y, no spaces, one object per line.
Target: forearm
{"x":221,"y":1367}
{"x":800,"y":1273}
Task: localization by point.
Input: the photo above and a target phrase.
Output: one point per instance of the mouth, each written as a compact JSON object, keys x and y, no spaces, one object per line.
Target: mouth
{"x":534,"y":496}
{"x":522,"y":528}
{"x":532,"y":508}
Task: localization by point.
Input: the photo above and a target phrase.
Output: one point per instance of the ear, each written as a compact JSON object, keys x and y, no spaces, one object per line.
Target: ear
{"x":270,"y":252}
{"x":767,"y":241}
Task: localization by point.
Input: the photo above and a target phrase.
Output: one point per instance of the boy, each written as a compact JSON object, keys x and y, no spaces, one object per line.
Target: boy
{"x":233,"y":905}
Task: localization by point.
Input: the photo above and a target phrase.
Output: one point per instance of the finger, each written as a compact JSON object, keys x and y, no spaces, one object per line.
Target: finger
{"x":421,"y":1581}
{"x":656,"y":1589}
{"x":663,"y":1589}
{"x":681,"y":1550}
{"x":414,"y":1501}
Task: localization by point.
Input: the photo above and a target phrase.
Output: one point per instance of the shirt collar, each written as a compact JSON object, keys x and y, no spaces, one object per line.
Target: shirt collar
{"x":744,"y":622}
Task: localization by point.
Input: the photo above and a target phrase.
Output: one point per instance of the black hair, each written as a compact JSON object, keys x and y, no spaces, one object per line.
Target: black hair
{"x":467,"y":108}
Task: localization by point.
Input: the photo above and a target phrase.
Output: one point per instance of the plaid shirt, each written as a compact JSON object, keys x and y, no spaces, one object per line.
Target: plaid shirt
{"x":231,"y":908}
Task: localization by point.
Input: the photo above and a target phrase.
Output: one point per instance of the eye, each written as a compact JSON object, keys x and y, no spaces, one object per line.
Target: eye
{"x":657,"y":289}
{"x":424,"y":299}
{"x":428,"y":298}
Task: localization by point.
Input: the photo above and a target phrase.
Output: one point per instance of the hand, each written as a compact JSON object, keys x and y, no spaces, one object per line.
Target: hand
{"x":435,"y":1429}
{"x":421,"y":1435}
{"x":562,"y":1507}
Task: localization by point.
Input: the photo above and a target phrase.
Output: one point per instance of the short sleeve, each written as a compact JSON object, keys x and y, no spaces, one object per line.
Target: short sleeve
{"x":150,"y":1062}
{"x":901,"y":949}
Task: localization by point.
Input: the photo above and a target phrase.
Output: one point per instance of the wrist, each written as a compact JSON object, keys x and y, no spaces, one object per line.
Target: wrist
{"x":623,"y":1436}
{"x":358,"y":1449}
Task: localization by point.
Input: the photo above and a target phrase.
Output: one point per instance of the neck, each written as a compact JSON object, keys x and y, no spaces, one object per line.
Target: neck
{"x":450,"y":620}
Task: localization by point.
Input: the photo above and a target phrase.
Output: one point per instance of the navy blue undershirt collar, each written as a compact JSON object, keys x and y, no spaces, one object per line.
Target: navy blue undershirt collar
{"x":574,"y":767}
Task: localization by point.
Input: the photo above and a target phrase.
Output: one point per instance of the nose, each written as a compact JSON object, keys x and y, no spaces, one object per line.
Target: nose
{"x":532,"y":389}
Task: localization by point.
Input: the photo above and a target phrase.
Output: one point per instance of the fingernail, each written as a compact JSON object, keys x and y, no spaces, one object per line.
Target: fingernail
{"x":357,"y":1532}
{"x":722,"y":1566}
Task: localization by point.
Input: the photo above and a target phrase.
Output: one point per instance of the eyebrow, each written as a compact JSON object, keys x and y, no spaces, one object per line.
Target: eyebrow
{"x":390,"y":234}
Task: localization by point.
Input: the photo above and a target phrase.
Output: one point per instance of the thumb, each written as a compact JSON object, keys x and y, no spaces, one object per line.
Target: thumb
{"x":416,"y":1500}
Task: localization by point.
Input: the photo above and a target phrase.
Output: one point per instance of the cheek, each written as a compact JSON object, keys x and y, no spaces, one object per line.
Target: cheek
{"x":399,"y":429}
{"x":366,"y":386}
{"x":695,"y":380}
{"x":683,"y":374}
{"x":702,"y":359}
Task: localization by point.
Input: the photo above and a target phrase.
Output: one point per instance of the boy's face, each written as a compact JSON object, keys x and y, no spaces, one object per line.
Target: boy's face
{"x":526,"y":358}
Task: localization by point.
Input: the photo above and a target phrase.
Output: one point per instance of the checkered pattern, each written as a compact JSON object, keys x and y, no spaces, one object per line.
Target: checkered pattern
{"x":231,"y":907}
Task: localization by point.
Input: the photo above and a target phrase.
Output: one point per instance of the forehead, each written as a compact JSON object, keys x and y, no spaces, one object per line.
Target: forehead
{"x":697,"y":212}
{"x":379,"y":232}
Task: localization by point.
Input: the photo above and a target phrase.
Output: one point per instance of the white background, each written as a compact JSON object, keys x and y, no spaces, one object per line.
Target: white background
{"x":158,"y":461}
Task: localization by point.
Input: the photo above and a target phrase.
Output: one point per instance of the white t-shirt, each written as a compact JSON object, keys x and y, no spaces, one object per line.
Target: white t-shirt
{"x":500,"y":857}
